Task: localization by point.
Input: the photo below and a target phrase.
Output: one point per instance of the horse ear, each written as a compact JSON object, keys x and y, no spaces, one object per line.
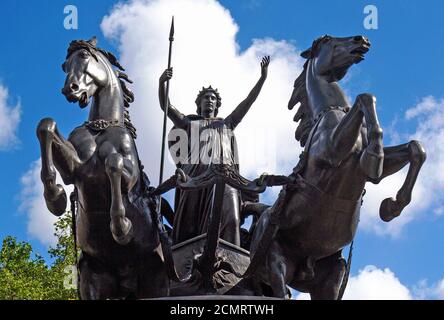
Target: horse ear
{"x":306,"y":54}
{"x":93,"y":41}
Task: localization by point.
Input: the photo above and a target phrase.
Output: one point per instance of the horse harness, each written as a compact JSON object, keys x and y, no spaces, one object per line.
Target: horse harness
{"x":99,"y":125}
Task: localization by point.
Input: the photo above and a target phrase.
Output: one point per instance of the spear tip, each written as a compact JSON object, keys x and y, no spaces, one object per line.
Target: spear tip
{"x":172,"y":29}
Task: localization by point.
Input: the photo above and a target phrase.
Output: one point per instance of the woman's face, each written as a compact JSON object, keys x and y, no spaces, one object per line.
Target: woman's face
{"x":208,"y":104}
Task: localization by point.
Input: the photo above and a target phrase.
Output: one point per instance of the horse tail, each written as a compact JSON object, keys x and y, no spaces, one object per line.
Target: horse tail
{"x":347,"y":273}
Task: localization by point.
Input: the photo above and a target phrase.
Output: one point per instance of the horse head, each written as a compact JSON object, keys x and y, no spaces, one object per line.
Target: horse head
{"x":84,"y":73}
{"x":89,"y":68}
{"x":332,"y":57}
{"x":90,"y":73}
{"x":328,"y":60}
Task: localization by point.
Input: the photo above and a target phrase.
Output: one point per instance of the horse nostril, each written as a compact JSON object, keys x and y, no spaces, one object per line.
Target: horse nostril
{"x":74,"y":87}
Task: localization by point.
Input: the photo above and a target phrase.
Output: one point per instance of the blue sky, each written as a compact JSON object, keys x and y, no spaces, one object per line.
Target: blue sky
{"x":404,"y":66}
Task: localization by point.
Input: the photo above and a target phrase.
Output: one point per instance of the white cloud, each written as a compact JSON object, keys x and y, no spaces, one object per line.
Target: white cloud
{"x":435,"y":291}
{"x":430,"y":131}
{"x":205,"y":52}
{"x":427,"y":105}
{"x":9,"y":120}
{"x":428,"y":121}
{"x":40,"y":224}
{"x":373,"y":283}
{"x":439,"y":290}
{"x":376,"y":284}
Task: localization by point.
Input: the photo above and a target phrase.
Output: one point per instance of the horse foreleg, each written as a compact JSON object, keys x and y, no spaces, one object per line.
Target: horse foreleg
{"x":347,"y":132}
{"x":372,"y":159}
{"x":121,"y":226}
{"x":395,"y":159}
{"x":52,"y":144}
{"x":345,"y":135}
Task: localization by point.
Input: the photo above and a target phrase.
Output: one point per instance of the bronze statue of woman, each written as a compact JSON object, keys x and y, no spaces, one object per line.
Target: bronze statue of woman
{"x":215,"y":144}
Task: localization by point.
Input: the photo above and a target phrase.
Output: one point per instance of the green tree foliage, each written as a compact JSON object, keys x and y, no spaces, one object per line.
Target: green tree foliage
{"x":25,"y":274}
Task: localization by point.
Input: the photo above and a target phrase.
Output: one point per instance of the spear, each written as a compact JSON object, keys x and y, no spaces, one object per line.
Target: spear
{"x":165,"y":240}
{"x":165,"y":115}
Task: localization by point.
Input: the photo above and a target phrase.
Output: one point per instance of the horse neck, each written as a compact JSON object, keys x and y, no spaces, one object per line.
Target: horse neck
{"x":321,"y":93}
{"x":108,"y":101}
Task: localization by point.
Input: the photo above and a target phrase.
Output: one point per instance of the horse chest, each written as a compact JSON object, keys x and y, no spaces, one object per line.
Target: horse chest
{"x":94,"y":147}
{"x":84,"y":143}
{"x":114,"y":140}
{"x":98,"y":146}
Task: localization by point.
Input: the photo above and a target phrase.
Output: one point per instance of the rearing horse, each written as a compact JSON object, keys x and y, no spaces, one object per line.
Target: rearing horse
{"x":316,"y":215}
{"x":115,"y":229}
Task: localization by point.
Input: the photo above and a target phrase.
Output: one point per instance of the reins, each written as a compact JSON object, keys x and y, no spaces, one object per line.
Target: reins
{"x":73,"y":199}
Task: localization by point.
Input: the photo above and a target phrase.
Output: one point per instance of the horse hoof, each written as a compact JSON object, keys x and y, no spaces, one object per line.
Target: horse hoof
{"x":56,"y":200}
{"x":122,"y":230}
{"x":389,"y":209}
{"x":372,"y":163}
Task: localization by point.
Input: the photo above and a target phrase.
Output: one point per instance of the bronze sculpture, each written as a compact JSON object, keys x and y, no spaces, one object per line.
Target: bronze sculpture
{"x":195,"y":205}
{"x":299,"y":240}
{"x":115,"y":229}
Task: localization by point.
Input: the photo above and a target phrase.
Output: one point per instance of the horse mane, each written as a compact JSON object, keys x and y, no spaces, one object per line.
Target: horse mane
{"x":299,"y":95}
{"x":128,"y":95}
{"x":304,"y":115}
